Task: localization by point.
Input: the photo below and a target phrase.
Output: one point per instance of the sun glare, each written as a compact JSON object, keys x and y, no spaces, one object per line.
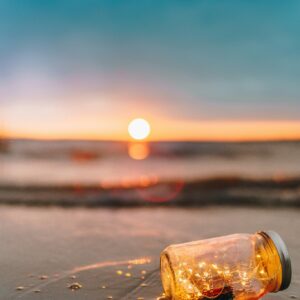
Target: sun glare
{"x":139,"y":129}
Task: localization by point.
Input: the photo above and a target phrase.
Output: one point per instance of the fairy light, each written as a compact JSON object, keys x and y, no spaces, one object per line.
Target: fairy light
{"x":194,"y":271}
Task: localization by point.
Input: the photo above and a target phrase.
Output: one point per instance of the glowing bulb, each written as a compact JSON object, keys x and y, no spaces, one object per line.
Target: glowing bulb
{"x":139,"y":129}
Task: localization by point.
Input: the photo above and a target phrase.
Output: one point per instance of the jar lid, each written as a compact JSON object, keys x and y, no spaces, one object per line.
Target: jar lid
{"x":284,"y":258}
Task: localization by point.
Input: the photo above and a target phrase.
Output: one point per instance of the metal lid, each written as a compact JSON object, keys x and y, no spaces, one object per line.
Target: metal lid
{"x":284,"y":258}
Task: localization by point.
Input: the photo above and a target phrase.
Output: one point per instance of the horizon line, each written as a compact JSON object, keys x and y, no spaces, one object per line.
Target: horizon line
{"x":82,"y":139}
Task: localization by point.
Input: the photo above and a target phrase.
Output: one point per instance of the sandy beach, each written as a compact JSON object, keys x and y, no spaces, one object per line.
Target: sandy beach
{"x":44,"y":250}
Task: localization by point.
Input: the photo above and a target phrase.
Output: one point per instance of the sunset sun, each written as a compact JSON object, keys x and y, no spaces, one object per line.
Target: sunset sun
{"x":139,"y":129}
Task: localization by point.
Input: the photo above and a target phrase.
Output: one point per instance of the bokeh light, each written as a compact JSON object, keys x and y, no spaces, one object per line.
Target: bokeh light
{"x":162,"y":192}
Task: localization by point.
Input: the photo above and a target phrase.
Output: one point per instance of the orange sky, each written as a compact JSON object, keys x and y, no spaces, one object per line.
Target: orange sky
{"x":166,"y":130}
{"x":70,"y":79}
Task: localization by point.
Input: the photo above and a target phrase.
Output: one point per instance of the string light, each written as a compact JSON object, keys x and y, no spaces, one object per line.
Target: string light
{"x":240,"y":266}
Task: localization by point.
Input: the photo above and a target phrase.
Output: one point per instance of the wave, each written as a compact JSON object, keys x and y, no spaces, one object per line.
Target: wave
{"x":233,"y":191}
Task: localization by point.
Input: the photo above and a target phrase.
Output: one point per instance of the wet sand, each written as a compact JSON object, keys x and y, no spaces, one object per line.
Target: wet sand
{"x":89,"y":246}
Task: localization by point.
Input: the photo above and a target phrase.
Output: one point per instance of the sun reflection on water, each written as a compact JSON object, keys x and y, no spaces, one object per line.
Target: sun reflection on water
{"x":138,"y":151}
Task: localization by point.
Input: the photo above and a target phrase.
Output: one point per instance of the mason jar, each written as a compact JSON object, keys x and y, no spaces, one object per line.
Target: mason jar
{"x":238,"y":266}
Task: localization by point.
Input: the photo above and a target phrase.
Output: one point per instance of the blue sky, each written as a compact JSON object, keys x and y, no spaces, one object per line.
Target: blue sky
{"x":187,"y":60}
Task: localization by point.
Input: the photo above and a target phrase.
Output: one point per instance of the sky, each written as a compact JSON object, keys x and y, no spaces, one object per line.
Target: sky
{"x":203,"y":69}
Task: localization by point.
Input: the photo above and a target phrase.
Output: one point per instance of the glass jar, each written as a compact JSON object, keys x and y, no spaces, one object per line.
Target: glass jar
{"x":239,"y":266}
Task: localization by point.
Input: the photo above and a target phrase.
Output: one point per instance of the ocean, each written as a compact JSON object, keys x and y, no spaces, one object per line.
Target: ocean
{"x":188,"y":166}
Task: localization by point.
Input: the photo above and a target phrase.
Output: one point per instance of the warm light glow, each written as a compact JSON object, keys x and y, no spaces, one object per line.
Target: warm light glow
{"x":138,"y":151}
{"x":239,"y":266}
{"x":162,"y":129}
{"x":139,"y":129}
